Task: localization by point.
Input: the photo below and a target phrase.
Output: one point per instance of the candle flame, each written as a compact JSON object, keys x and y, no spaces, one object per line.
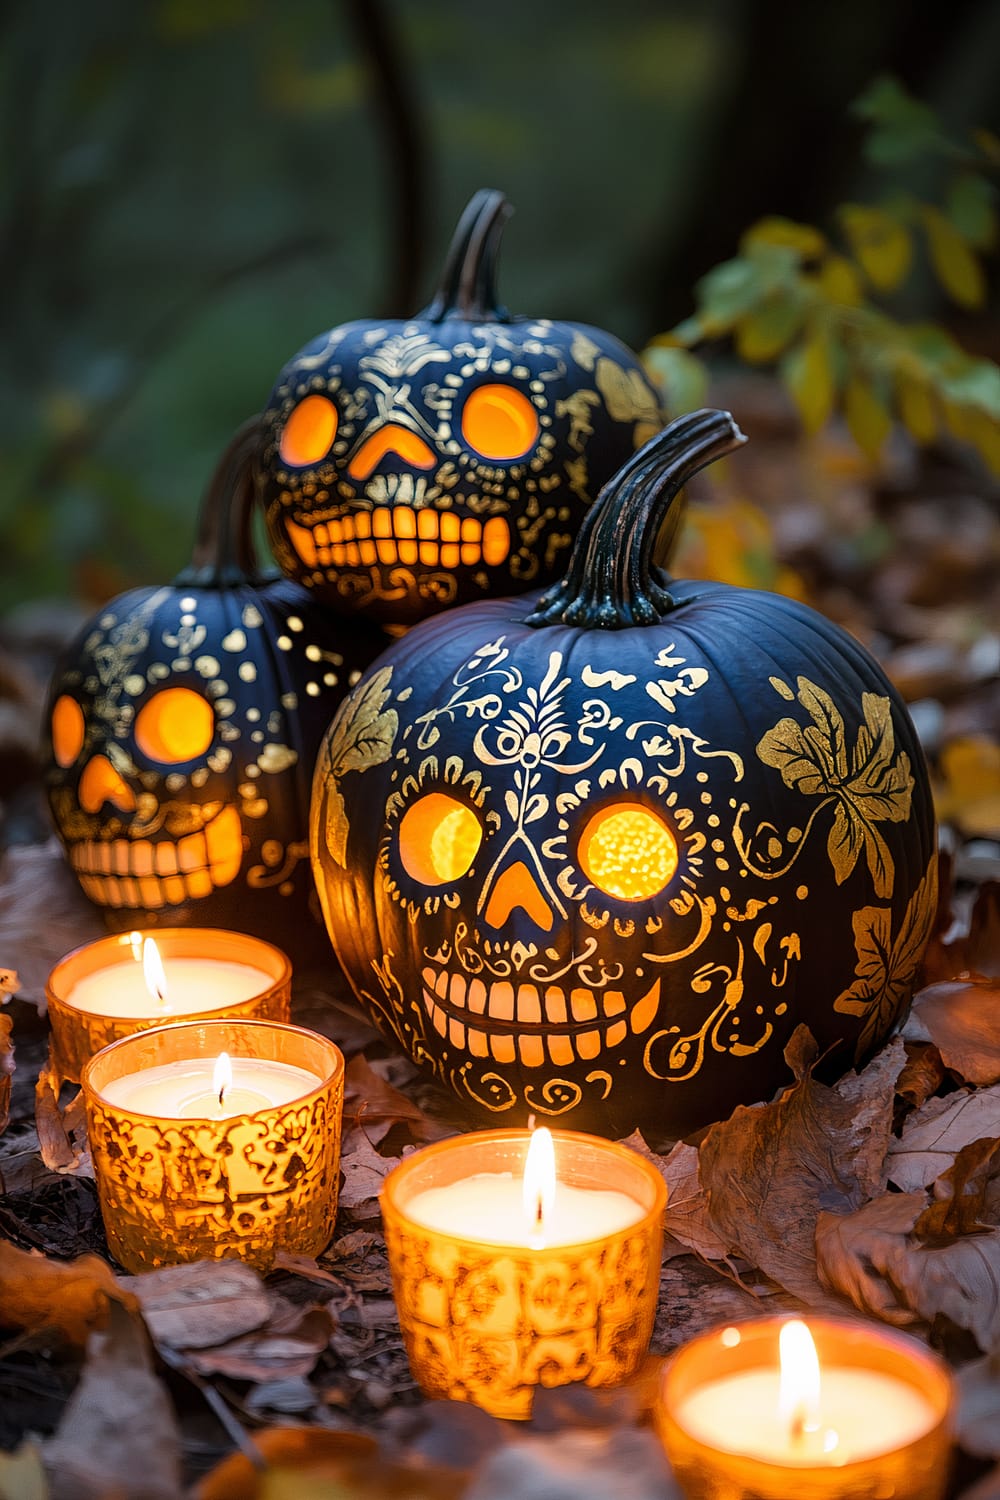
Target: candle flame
{"x":539,"y":1178}
{"x":799,"y":1384}
{"x":152,"y":969}
{"x":222,"y":1076}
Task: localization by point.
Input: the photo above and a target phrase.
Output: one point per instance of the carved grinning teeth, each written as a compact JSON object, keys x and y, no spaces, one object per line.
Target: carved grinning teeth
{"x":123,"y":873}
{"x":402,"y":535}
{"x":450,"y":1000}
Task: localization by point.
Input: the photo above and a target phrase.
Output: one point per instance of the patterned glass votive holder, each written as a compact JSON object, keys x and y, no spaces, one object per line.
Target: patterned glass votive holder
{"x":182,"y":1176}
{"x":486,"y":1320}
{"x":98,"y":993}
{"x":877,"y":1423}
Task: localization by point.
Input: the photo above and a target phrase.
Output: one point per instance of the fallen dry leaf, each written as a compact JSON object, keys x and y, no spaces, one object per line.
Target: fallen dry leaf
{"x":62,"y":1133}
{"x":770,"y":1169}
{"x":201,"y":1304}
{"x":966,"y":1197}
{"x":376,"y":1106}
{"x":288,"y":1345}
{"x":118,"y":1434}
{"x":983,"y":948}
{"x":933,"y":1137}
{"x":6,"y":1068}
{"x":979,"y":1407}
{"x":962,"y":1020}
{"x":856,"y":1253}
{"x":922,"y":1075}
{"x":364,"y":1172}
{"x":71,"y":1298}
{"x":686,"y":1217}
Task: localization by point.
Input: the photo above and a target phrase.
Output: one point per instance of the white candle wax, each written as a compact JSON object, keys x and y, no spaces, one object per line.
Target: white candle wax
{"x":194,"y":985}
{"x":490,"y":1206}
{"x":861,"y":1413}
{"x":183,"y":1090}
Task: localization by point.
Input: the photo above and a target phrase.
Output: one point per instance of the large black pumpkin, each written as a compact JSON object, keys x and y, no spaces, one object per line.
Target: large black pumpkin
{"x":595,"y":855}
{"x":412,"y":465}
{"x":181,"y":730}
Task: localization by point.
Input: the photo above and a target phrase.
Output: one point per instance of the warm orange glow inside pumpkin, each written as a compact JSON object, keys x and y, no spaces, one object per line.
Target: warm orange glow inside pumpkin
{"x":628,"y":852}
{"x":392,"y":438}
{"x":309,"y":432}
{"x":101,"y":783}
{"x":175,"y":725}
{"x":499,"y":422}
{"x":68,"y":730}
{"x":438,"y":839}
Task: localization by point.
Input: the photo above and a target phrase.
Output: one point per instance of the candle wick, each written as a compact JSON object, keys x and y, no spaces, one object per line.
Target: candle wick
{"x":539,"y":1214}
{"x":797,"y":1424}
{"x":221,"y":1092}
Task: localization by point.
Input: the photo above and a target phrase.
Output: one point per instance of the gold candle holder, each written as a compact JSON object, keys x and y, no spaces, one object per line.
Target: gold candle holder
{"x":109,"y":969}
{"x":486,"y":1321}
{"x":180,"y":1180}
{"x":895,"y":1402}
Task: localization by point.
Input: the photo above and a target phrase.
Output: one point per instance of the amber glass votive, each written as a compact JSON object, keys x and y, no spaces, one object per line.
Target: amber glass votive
{"x":227,"y":974}
{"x":180,"y":1177}
{"x":486,"y":1321}
{"x":881,"y":1428}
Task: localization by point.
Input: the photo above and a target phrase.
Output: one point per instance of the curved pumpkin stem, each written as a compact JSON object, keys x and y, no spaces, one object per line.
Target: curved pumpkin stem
{"x":611,"y":580}
{"x":467,"y":288}
{"x":224,"y":551}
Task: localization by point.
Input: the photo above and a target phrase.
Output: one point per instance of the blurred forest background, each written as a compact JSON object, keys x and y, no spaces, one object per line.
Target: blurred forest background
{"x":194,"y":188}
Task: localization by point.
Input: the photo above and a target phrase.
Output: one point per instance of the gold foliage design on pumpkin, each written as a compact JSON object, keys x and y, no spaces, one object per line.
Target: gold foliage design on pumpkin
{"x":363,"y":737}
{"x":870,"y":785}
{"x":887,"y":964}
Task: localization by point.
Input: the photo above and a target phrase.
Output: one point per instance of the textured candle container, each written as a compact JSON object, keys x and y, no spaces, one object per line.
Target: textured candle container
{"x":486,"y":1322}
{"x":77,"y":1034}
{"x":240,"y":1187}
{"x":915,"y":1470}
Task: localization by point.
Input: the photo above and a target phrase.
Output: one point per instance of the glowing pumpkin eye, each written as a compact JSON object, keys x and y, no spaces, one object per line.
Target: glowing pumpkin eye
{"x":175,"y":725}
{"x":438,"y":839}
{"x":499,"y":422}
{"x":309,"y":432}
{"x":628,"y":852}
{"x":68,"y":730}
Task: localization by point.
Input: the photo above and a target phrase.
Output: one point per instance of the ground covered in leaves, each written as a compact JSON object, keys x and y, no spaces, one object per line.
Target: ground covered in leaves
{"x":876,"y":1196}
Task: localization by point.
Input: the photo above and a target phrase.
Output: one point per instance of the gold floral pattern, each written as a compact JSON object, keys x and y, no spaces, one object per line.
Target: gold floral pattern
{"x":869,"y":786}
{"x":886,"y":966}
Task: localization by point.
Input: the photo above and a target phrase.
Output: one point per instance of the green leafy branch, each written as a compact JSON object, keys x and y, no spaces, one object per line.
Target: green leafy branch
{"x":806,"y":300}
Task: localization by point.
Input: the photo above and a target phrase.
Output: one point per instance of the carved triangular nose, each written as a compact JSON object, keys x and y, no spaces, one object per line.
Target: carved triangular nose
{"x":392,"y":438}
{"x":517,"y":887}
{"x":101,"y":783}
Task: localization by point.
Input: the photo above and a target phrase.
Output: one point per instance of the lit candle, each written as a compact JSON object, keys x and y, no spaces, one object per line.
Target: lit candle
{"x":196,"y":1088}
{"x":142,"y":987}
{"x":515,"y":1265}
{"x":215,"y":1138}
{"x":131,"y":981}
{"x":869,"y":1418}
{"x":532,"y":1208}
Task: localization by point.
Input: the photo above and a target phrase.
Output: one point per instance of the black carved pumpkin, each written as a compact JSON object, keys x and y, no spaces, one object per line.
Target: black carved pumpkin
{"x":413,"y":465}
{"x":181,"y":731}
{"x":596,"y":854}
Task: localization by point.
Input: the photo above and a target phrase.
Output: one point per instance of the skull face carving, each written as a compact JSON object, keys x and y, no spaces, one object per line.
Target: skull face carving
{"x":602,"y":874}
{"x":414,"y":465}
{"x":181,"y":729}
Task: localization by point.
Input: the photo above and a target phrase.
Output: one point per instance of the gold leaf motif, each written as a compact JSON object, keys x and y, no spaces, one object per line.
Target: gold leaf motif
{"x":362,"y":735}
{"x":885,"y":969}
{"x":871,"y":787}
{"x":626,"y":394}
{"x":583,"y":350}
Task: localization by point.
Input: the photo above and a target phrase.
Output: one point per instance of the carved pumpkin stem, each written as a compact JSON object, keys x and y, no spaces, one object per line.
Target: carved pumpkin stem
{"x":611,"y":580}
{"x":224,"y":551}
{"x":467,"y":288}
